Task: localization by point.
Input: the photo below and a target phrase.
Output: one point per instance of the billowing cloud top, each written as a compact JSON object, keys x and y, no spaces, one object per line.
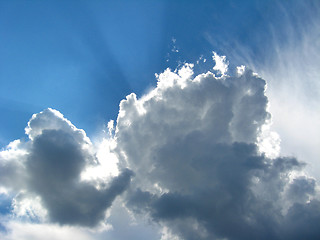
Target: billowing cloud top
{"x":193,"y":144}
{"x":191,"y":112}
{"x":197,"y":169}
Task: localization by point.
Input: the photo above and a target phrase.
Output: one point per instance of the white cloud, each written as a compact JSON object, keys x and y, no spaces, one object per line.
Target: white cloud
{"x":240,"y":70}
{"x":32,"y":231}
{"x":194,"y":150}
{"x":221,"y":64}
{"x":203,"y":159}
{"x":107,"y":162}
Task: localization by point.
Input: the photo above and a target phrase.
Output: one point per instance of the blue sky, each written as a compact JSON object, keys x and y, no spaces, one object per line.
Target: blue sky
{"x":83,"y":57}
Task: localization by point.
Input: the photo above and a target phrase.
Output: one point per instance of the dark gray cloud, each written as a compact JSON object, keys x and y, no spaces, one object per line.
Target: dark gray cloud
{"x":301,"y":188}
{"x":302,"y":220}
{"x":52,"y":163}
{"x":192,"y":143}
{"x":224,"y":202}
{"x":54,"y":167}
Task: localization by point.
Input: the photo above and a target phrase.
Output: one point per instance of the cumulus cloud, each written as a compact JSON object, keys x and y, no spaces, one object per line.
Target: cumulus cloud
{"x":193,"y":143}
{"x":195,"y":156}
{"x":45,"y":173}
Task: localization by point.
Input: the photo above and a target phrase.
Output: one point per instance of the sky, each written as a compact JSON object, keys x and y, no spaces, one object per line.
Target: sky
{"x":159,"y":120}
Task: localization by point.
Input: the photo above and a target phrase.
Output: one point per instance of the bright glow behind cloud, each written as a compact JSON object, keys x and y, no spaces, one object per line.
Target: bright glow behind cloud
{"x":290,"y":65}
{"x":22,"y":230}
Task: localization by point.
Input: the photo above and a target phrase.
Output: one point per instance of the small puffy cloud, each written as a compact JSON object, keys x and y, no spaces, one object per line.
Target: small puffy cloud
{"x":12,"y":173}
{"x":193,"y":144}
{"x":45,"y":173}
{"x":241,"y":70}
{"x":221,"y":64}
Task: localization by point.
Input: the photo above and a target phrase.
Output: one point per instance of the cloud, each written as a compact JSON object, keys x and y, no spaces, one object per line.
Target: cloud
{"x":193,"y":159}
{"x":220,"y":63}
{"x":285,"y":51}
{"x":193,"y":144}
{"x":18,"y":230}
{"x":46,"y":171}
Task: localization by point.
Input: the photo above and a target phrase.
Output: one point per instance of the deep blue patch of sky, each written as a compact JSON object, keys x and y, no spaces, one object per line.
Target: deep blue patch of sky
{"x":83,"y":57}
